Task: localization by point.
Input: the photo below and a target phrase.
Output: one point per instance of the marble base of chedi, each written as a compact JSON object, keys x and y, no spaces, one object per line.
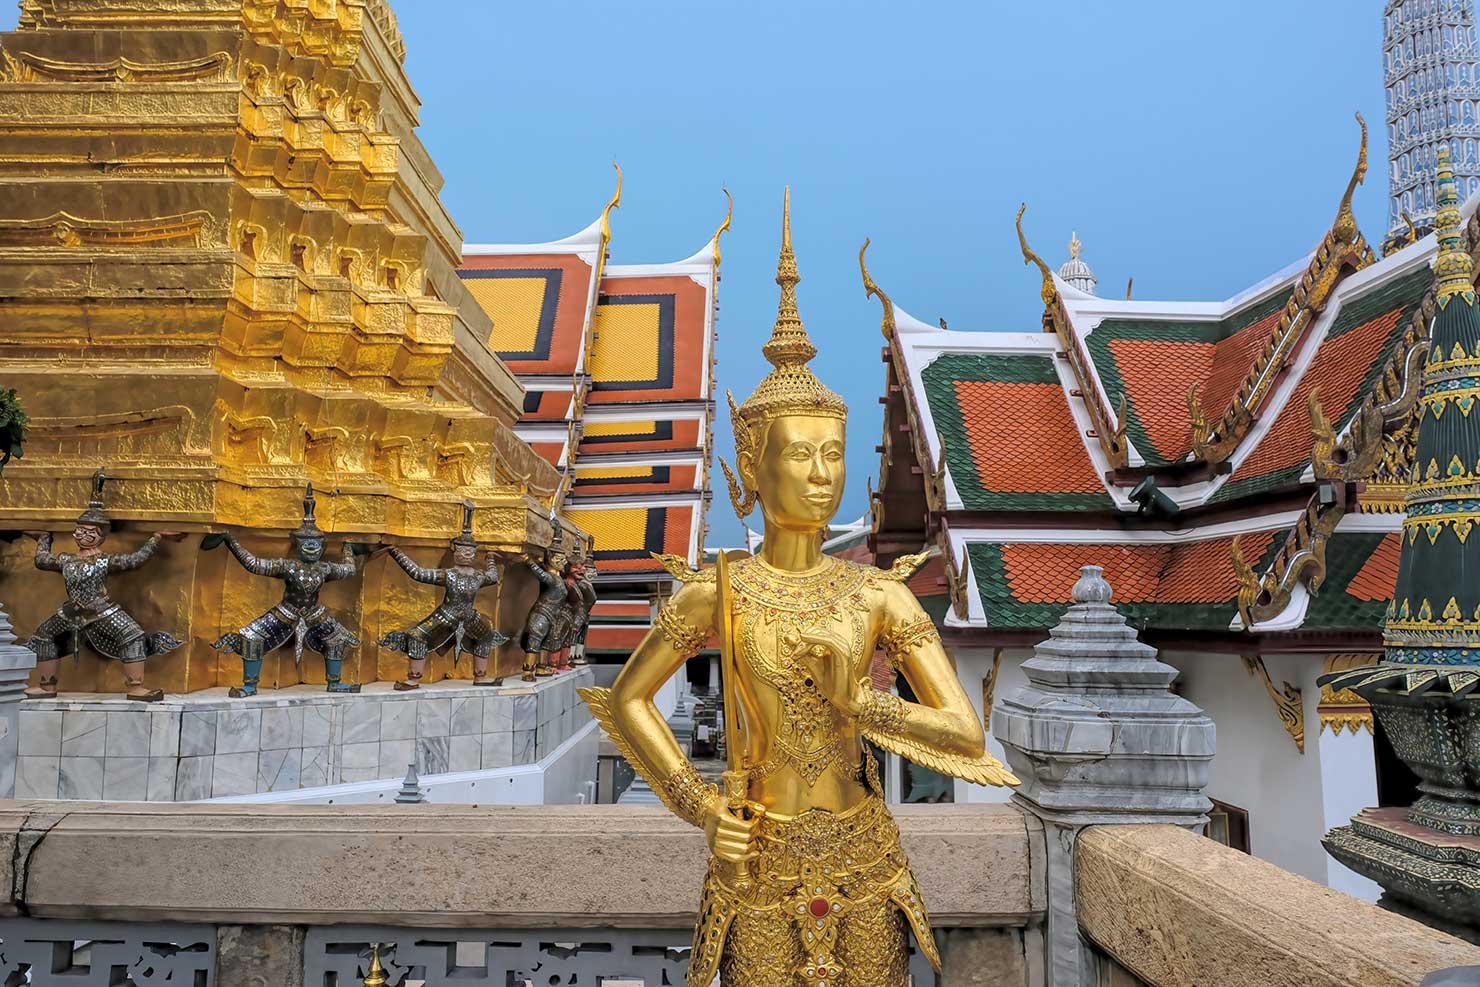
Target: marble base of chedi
{"x":204,"y":745}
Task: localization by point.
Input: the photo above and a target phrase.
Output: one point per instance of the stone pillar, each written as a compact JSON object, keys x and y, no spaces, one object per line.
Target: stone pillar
{"x":16,"y":663}
{"x":1096,"y":737}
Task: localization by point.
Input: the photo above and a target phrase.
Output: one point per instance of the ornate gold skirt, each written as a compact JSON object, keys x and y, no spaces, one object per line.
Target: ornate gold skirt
{"x":828,"y":903}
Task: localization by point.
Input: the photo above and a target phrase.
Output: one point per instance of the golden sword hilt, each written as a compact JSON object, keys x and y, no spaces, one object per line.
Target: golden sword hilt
{"x":737,"y":800}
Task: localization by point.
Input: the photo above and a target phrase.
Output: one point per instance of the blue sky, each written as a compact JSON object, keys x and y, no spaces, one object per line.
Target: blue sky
{"x":1195,"y":146}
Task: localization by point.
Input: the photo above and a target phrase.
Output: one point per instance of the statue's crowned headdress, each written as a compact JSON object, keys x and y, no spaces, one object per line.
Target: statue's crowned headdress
{"x":465,"y":537}
{"x":95,"y":515}
{"x":790,"y":388}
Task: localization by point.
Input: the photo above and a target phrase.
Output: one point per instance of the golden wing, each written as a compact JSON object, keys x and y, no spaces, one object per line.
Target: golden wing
{"x":984,"y":770}
{"x":678,"y":568}
{"x":600,"y":702}
{"x":904,"y":567}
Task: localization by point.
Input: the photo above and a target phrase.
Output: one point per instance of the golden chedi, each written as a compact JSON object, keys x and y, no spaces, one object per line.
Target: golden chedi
{"x":227,"y":274}
{"x":807,"y":882}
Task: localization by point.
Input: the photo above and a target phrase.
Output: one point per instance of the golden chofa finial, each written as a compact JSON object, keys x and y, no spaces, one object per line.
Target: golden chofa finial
{"x":729,"y":212}
{"x":615,"y":203}
{"x":1453,"y":265}
{"x":1074,"y":245}
{"x":1345,"y":227}
{"x":886,"y":324}
{"x":1048,"y":292}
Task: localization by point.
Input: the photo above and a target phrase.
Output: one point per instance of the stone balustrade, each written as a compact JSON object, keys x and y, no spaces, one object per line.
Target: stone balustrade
{"x":464,"y":895}
{"x":1172,"y":908}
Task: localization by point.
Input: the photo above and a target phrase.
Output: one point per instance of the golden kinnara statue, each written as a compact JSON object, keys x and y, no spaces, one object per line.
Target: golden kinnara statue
{"x":807,"y":883}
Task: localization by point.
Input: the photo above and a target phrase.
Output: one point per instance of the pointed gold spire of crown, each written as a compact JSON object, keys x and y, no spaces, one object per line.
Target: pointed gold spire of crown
{"x":789,"y":342}
{"x":791,"y":388}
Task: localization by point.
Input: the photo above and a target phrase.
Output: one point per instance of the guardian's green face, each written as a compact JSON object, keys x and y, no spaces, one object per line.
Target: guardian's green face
{"x":310,"y":549}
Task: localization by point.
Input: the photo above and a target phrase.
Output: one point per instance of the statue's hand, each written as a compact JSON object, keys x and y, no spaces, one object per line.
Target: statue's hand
{"x":831,"y":675}
{"x":36,"y":535}
{"x":731,"y":834}
{"x":170,"y":535}
{"x":213,"y":541}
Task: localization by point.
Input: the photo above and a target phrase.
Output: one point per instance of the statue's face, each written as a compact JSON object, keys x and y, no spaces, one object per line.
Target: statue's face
{"x":464,"y":555}
{"x":310,"y":549}
{"x":799,"y":472}
{"x":87,"y":536}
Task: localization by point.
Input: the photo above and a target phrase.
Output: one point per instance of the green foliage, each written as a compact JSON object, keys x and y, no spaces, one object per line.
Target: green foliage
{"x":13,"y":426}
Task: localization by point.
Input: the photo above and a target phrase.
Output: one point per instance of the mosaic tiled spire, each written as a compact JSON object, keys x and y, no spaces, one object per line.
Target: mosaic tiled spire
{"x":1435,"y":617}
{"x":1432,"y":75}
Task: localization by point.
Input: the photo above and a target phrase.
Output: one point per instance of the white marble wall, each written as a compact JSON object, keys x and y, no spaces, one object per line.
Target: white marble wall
{"x":205,"y":745}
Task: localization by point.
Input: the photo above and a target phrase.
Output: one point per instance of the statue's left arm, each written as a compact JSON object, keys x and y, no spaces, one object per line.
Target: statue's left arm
{"x":134,"y":559}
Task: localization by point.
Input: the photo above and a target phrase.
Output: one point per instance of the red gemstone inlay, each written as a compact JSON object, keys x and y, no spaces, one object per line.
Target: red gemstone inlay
{"x":818,"y":907}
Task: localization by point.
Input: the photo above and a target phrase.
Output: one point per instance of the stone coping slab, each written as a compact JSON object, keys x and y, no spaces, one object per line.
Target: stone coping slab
{"x":445,"y":866}
{"x":1175,"y":908}
{"x":293,"y":695}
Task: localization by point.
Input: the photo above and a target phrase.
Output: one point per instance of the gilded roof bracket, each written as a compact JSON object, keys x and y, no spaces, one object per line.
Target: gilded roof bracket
{"x":871,"y":290}
{"x":1342,"y":709}
{"x":1301,"y":559}
{"x":1341,"y":252}
{"x":1288,"y":701}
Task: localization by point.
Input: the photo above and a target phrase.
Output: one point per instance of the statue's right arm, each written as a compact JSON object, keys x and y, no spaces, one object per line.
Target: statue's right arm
{"x":679,"y":633}
{"x":44,"y":557}
{"x":435,"y":577}
{"x":250,"y":562}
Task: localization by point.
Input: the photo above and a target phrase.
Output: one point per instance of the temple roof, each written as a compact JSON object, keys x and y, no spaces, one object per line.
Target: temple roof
{"x":617,"y":362}
{"x":1185,"y":586}
{"x":1270,"y":436}
{"x":1019,"y":435}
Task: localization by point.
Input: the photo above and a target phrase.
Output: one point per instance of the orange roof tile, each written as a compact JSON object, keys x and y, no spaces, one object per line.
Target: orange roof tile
{"x":1339,"y":368}
{"x":1379,"y":574}
{"x":1023,"y":438}
{"x":650,"y":342}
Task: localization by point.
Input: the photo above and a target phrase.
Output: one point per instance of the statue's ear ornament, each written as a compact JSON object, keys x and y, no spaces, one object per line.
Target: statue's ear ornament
{"x":742,"y":498}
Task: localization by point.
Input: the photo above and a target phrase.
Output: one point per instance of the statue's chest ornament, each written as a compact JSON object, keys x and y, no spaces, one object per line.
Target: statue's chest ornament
{"x":775,"y":612}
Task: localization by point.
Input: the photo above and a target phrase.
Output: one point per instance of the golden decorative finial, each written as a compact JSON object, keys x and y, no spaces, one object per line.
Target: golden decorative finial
{"x":886,"y":325}
{"x":375,"y":976}
{"x":1128,"y":283}
{"x":1048,"y":291}
{"x":789,"y":342}
{"x":1412,"y":229}
{"x":1453,"y":265}
{"x":729,"y":211}
{"x":1345,"y":227}
{"x":1074,"y":245}
{"x":615,"y":203}
{"x":790,"y":388}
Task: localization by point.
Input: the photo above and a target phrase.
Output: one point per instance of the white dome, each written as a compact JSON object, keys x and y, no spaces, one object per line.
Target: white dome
{"x":1076,"y":272}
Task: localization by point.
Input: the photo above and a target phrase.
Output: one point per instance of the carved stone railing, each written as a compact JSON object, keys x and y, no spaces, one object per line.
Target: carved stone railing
{"x":463,"y":896}
{"x":1164,"y":906}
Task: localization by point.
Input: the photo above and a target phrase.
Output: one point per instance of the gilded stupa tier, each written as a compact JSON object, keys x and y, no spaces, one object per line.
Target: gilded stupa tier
{"x":228,"y":273}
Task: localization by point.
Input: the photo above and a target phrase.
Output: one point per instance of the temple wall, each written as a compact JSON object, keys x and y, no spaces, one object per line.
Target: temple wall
{"x":973,"y":666}
{"x":1292,"y":799}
